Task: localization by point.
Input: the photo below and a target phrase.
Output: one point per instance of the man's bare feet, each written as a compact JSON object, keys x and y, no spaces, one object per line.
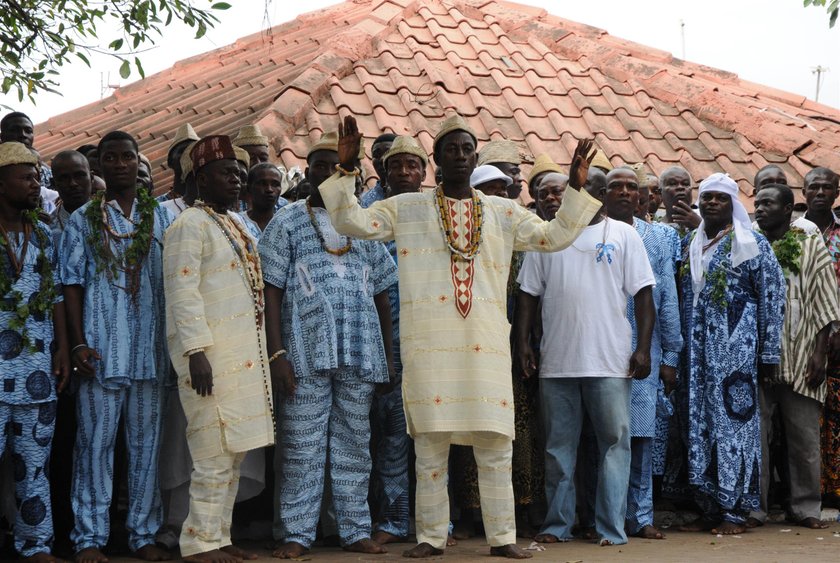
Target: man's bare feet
{"x":451,"y":542}
{"x":586,"y":533}
{"x":90,"y":555}
{"x":546,"y":538}
{"x":43,"y":557}
{"x":604,"y":542}
{"x":365,"y":545}
{"x":649,"y":533}
{"x":729,"y":528}
{"x":212,"y":556}
{"x":464,"y":529}
{"x":382,"y":538}
{"x":289,"y":550}
{"x":511,"y":551}
{"x":812,"y":523}
{"x":698,"y":525}
{"x":239,"y":553}
{"x":422,"y":551}
{"x":151,"y":552}
{"x":753,"y":523}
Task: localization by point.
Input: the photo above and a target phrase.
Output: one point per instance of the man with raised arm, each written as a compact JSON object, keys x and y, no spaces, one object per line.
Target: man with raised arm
{"x":454,"y":246}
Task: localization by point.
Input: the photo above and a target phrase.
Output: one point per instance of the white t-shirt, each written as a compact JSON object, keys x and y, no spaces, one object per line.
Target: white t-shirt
{"x":584,"y":291}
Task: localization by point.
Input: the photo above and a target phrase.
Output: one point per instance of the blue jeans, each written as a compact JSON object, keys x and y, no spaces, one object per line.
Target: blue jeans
{"x":607,"y":402}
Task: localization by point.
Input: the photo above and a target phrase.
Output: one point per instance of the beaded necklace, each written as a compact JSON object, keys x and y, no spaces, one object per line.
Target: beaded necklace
{"x":335,"y":252}
{"x":247,"y":254}
{"x":463,"y":254}
{"x":12,"y":300}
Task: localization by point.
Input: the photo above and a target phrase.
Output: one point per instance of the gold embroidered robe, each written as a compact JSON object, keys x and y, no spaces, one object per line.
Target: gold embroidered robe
{"x":456,"y":366}
{"x":209,"y":305}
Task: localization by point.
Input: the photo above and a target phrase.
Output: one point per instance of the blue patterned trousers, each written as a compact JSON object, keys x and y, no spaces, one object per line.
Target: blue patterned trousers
{"x":390,"y":463}
{"x":98,"y":412}
{"x":325,"y":410}
{"x":640,"y":492}
{"x":28,"y":432}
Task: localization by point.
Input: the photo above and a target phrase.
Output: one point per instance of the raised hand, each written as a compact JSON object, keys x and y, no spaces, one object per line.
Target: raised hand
{"x":349,"y":143}
{"x":579,"y":170}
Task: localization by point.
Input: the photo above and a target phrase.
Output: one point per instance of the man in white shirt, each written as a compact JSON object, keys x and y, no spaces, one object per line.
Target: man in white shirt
{"x":587,"y":361}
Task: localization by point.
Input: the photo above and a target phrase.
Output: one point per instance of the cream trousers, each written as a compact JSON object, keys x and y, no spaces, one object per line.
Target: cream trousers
{"x":493,"y":457}
{"x":213,"y":487}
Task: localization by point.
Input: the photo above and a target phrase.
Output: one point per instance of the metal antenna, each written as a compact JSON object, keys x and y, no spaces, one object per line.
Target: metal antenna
{"x":819,"y":71}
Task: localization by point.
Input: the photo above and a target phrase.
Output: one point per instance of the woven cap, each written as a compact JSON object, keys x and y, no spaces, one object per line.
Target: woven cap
{"x":242,"y":156}
{"x":329,"y":142}
{"x":184,"y":133}
{"x":453,"y":123}
{"x":186,"y":161}
{"x":16,"y":153}
{"x":601,"y":161}
{"x":499,"y":151}
{"x":543,"y":163}
{"x":406,"y":145}
{"x":250,"y":135}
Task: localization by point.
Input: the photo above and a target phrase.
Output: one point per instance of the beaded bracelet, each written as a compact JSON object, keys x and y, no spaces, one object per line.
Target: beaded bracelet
{"x":276,"y":355}
{"x":340,"y":169}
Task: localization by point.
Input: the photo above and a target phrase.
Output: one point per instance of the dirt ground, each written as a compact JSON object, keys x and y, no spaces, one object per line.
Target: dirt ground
{"x":769,"y":544}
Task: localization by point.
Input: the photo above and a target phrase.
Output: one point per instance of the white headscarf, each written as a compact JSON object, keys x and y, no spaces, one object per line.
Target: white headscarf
{"x":744,"y":246}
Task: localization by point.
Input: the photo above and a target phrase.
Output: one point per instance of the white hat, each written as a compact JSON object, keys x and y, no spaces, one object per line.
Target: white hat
{"x":488,"y":173}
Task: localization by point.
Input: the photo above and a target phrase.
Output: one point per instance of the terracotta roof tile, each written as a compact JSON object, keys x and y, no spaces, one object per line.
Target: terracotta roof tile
{"x":513,"y":71}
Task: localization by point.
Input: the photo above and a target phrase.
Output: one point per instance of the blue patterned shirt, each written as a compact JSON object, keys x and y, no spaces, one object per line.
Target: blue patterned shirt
{"x":329,"y":318}
{"x":27,"y":374}
{"x":128,"y":332}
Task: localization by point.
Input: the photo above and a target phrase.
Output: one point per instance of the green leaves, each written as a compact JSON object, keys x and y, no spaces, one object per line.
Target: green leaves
{"x":38,"y":37}
{"x":832,"y":7}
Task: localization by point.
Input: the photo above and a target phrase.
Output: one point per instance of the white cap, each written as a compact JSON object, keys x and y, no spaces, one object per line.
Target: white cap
{"x":488,"y":173}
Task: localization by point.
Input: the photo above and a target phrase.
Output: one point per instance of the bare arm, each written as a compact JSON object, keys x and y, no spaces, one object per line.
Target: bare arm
{"x":645,"y":313}
{"x":81,"y":356}
{"x":815,"y":374}
{"x":60,"y":359}
{"x":526,"y":309}
{"x":383,"y":309}
{"x":282,"y":372}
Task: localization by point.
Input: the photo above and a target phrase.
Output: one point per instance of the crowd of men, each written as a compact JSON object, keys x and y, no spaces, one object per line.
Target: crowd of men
{"x":553,"y":369}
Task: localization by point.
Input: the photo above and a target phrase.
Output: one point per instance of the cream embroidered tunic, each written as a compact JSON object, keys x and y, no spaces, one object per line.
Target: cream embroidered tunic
{"x":209,"y":305}
{"x":454,"y":332}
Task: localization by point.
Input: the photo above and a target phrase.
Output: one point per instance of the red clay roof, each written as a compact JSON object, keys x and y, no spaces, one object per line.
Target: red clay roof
{"x":513,"y":71}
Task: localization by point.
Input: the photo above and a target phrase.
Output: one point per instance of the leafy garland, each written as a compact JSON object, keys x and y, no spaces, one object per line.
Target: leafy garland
{"x":715,"y":277}
{"x":788,"y":250}
{"x":101,"y":233}
{"x":42,"y":304}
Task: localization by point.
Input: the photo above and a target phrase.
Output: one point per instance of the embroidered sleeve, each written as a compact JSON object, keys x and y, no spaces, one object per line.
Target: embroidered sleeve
{"x":182,"y":254}
{"x":532,"y":233}
{"x":349,"y":218}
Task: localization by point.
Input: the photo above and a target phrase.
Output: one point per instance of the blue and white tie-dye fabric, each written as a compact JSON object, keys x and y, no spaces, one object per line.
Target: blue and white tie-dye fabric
{"x":128,"y":332}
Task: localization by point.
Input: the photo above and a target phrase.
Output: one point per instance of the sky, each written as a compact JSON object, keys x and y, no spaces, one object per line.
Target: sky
{"x":772,"y":42}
